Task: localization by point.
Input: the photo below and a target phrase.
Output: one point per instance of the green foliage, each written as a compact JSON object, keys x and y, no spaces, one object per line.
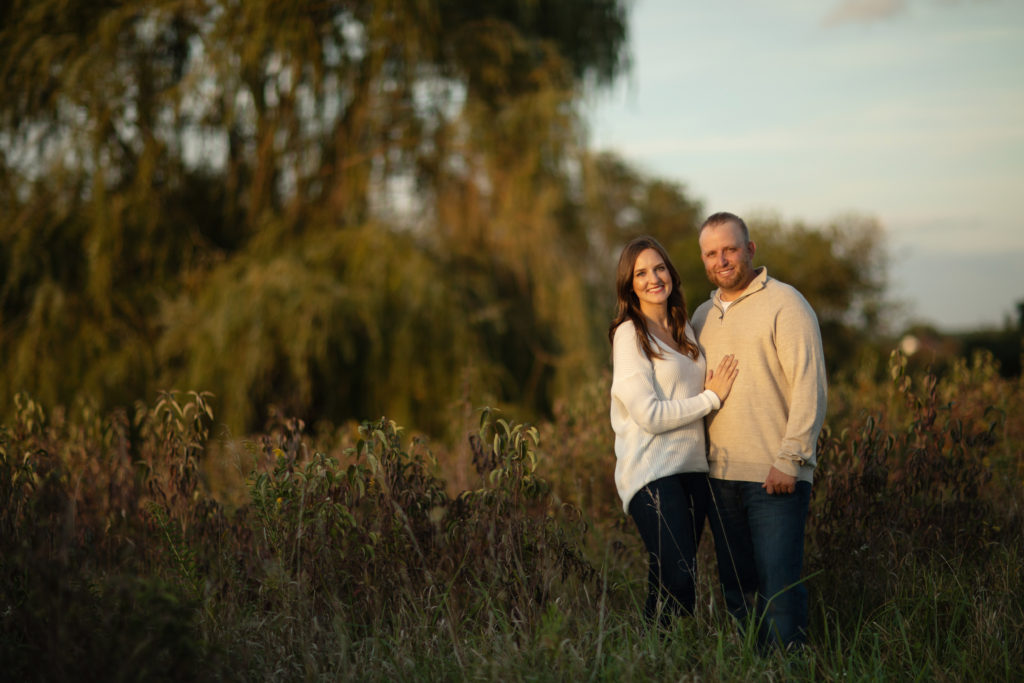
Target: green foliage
{"x":62,"y":626}
{"x":171,"y":172}
{"x":620,"y":203}
{"x":341,"y":209}
{"x":349,"y":552}
{"x":922,"y":483}
{"x":82,"y":564}
{"x":579,"y":451}
{"x":840,"y":267}
{"x":334,"y":325}
{"x":381,"y":530}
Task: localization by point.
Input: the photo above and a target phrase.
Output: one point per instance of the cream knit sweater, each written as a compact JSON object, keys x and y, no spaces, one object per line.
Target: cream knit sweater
{"x":657,"y":410}
{"x":776,"y":407}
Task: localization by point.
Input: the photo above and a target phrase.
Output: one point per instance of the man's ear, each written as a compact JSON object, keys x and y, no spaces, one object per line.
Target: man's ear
{"x":752,"y":247}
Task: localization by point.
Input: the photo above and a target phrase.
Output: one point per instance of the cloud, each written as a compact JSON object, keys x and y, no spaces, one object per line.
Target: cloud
{"x":870,"y":11}
{"x":863,"y":11}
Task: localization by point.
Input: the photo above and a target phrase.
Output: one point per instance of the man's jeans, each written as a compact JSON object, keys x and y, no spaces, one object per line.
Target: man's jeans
{"x":759,"y":543}
{"x":669,"y":513}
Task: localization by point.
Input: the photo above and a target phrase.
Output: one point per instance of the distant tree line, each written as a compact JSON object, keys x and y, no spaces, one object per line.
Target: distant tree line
{"x":345,"y":208}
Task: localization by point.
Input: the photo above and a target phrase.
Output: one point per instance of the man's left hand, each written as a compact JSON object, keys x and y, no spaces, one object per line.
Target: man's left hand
{"x":778,"y":482}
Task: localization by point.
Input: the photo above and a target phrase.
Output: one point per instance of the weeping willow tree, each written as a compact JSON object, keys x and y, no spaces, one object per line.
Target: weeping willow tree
{"x":346,"y":208}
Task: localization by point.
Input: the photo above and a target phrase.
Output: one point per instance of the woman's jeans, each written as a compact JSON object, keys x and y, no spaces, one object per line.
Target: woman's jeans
{"x":669,"y":513}
{"x":759,"y":543}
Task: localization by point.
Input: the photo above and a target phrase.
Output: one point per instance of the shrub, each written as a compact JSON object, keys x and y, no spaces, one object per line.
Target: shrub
{"x":912,"y":478}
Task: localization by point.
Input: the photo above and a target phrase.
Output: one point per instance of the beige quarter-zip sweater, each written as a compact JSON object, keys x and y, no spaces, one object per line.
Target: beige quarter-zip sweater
{"x":777,"y":406}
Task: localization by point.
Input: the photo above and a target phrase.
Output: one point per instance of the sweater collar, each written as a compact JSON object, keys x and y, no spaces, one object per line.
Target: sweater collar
{"x":756,"y":285}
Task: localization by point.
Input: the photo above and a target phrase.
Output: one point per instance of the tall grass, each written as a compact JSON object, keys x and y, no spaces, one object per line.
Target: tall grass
{"x":133,"y":545}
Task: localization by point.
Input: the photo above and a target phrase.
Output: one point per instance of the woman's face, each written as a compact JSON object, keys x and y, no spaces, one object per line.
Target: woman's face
{"x":652,"y":283}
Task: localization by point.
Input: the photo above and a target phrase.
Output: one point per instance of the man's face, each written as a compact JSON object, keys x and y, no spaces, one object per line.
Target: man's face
{"x":728,"y":260}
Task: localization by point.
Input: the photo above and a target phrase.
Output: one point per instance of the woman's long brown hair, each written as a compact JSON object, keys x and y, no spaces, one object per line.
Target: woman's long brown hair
{"x":629,"y":305}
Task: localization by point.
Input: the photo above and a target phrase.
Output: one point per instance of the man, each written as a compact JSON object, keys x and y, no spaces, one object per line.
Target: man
{"x":762,"y":441}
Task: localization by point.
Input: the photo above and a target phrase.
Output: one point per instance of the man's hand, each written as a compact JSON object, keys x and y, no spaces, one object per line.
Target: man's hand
{"x":778,"y":482}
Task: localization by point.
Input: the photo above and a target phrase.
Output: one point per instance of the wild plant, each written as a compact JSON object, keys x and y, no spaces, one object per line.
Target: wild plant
{"x":909,"y":490}
{"x":84,"y":594}
{"x":345,"y":531}
{"x":377,"y":531}
{"x":911,"y":479}
{"x":523,"y":542}
{"x":351,"y":551}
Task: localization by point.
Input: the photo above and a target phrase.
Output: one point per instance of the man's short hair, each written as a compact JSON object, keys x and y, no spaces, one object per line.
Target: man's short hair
{"x":721,"y":217}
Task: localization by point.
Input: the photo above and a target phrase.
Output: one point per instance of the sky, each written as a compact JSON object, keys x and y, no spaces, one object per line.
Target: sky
{"x":908,"y":111}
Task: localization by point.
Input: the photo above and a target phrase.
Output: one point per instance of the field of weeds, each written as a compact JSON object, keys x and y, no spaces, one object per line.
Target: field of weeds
{"x":141,"y":545}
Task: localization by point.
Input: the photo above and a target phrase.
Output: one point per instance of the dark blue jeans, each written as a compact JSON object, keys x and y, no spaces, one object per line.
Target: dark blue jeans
{"x":669,"y":513}
{"x":759,"y":543}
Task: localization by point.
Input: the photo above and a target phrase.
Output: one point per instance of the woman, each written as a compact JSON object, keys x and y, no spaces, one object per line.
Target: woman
{"x":660,"y":395}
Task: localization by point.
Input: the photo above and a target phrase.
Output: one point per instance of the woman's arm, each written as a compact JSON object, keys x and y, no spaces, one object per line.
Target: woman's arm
{"x":633,"y":388}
